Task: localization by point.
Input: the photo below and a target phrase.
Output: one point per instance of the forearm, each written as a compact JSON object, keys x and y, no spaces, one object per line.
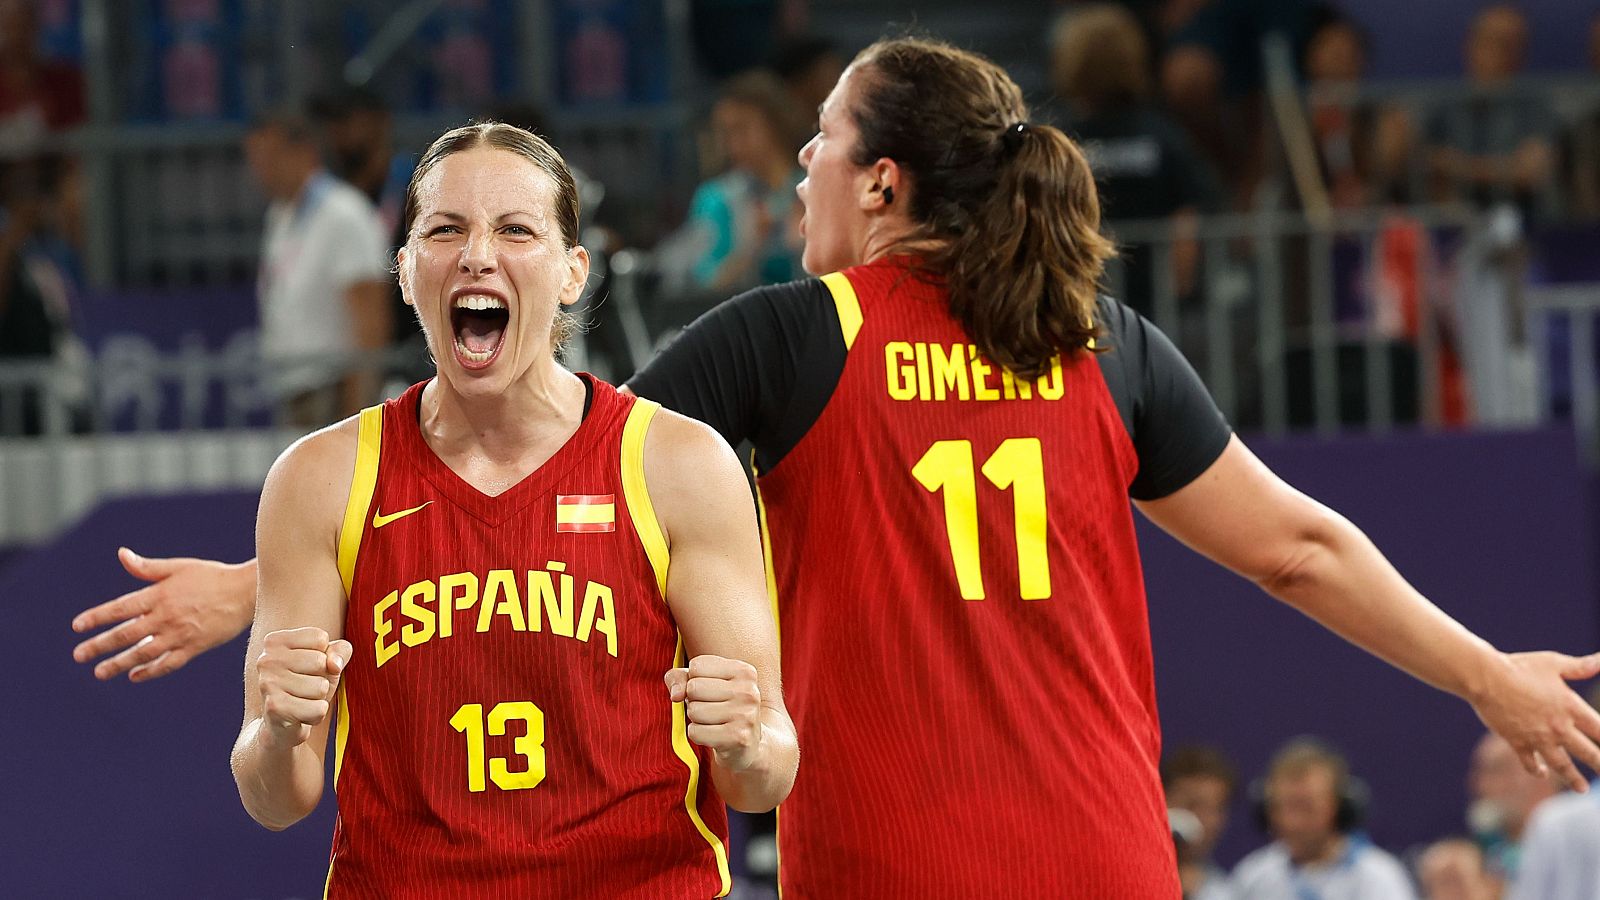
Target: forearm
{"x":278,"y":786}
{"x":1340,"y":579}
{"x":764,"y":784}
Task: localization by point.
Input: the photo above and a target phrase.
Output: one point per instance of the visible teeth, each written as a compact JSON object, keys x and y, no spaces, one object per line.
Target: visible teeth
{"x":479,"y":301}
{"x":476,"y":356}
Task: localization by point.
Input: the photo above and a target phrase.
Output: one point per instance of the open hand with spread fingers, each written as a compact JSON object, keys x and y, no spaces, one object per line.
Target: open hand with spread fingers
{"x":189,"y":607}
{"x":1526,"y":700}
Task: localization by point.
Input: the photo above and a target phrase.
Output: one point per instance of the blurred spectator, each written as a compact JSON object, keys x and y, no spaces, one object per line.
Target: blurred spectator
{"x":1494,"y":149}
{"x":1200,"y":781}
{"x":1453,"y":869}
{"x":324,"y":283}
{"x":1212,"y":78}
{"x":1362,"y":146}
{"x":1143,"y":163}
{"x":1583,"y":143}
{"x":742,"y":228}
{"x":1561,"y":847}
{"x":1504,"y":796}
{"x":1312,"y":807}
{"x":358,"y":143}
{"x":1497,"y":144}
{"x":358,"y":132}
{"x":809,"y":67}
{"x":38,"y":97}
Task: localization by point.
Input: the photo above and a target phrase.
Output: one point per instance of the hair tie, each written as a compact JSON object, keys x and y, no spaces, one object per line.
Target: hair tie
{"x":1011,"y":139}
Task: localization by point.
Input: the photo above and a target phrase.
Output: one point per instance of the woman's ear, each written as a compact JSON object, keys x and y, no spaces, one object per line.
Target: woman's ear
{"x":577,"y":275}
{"x":402,"y":275}
{"x":885,"y":187}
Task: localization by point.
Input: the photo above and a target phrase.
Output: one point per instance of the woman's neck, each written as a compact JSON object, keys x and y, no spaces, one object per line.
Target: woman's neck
{"x":535,"y":416}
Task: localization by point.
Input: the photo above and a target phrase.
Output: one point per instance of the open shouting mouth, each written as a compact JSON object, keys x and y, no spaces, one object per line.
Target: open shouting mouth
{"x":479,"y":320}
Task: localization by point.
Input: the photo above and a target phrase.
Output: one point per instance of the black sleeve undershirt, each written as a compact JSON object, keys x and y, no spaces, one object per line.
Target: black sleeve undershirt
{"x":762,"y":366}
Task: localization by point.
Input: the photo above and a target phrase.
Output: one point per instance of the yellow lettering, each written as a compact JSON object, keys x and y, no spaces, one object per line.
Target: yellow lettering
{"x":980,"y":374}
{"x":901,"y":385}
{"x":587,"y":622}
{"x":467,"y":583}
{"x":923,"y":390}
{"x":381,"y":627}
{"x":950,"y":372}
{"x":1053,"y":386}
{"x":411,"y":606}
{"x":1014,"y":387}
{"x":560,"y":615}
{"x":510,"y":604}
{"x":499,"y":590}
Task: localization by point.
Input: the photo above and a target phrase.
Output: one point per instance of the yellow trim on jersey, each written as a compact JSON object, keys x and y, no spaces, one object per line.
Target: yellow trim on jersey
{"x":369,"y":440}
{"x":643,"y":513}
{"x":777,"y":624}
{"x":844,"y":299}
{"x":637,"y":495}
{"x":680,"y":745}
{"x":766,"y":558}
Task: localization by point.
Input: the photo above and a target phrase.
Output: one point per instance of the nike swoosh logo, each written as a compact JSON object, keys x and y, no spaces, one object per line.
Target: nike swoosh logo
{"x":379,"y":519}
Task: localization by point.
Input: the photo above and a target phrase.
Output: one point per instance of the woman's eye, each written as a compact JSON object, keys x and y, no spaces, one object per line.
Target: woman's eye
{"x":519,"y":230}
{"x":445,"y":229}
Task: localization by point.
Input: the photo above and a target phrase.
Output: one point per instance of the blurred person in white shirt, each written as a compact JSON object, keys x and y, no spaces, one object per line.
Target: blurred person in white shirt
{"x":324,"y":280}
{"x":1312,"y":806}
{"x":1561,"y":847}
{"x":1504,"y":796}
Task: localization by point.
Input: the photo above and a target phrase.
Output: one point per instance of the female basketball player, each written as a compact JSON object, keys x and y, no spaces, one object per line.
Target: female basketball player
{"x":948,"y":430}
{"x":477,"y":575}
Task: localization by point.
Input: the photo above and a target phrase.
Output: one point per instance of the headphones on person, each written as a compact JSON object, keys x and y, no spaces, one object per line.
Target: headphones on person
{"x":1352,"y":794}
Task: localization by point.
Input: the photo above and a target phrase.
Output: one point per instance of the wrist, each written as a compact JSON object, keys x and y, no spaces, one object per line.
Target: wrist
{"x":1481,"y":672}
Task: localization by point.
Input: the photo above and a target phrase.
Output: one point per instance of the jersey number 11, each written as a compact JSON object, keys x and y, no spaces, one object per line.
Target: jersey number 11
{"x":1017,"y":464}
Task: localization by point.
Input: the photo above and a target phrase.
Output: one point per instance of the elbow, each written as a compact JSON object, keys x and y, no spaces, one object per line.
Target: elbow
{"x":1295,"y":568}
{"x":273,"y":816}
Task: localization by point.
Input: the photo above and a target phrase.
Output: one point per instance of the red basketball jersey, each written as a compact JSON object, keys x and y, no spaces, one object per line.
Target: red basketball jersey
{"x":503,"y":730}
{"x":966,"y":652}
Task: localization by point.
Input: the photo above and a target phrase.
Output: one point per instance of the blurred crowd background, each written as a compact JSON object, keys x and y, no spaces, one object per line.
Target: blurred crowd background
{"x":1363,"y":221}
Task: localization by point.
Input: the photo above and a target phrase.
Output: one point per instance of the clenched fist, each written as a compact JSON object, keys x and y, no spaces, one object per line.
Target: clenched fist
{"x":297,"y":674}
{"x":723,"y":705}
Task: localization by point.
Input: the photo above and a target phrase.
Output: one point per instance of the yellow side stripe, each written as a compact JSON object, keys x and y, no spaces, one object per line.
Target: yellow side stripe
{"x":369,"y":442}
{"x":766,"y":558}
{"x":643,"y":513}
{"x":680,"y":745}
{"x":777,"y":623}
{"x":844,"y":299}
{"x":637,"y":496}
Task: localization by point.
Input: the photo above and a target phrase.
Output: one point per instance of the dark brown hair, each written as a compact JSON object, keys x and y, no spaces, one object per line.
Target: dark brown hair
{"x":536,"y":150}
{"x":1011,"y":215}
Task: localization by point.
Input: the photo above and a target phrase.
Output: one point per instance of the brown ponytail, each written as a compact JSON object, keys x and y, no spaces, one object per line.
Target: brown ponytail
{"x":1011,"y":213}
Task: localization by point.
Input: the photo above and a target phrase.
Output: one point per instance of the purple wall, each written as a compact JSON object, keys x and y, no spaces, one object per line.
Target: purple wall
{"x":1497,"y":529}
{"x":123,"y":790}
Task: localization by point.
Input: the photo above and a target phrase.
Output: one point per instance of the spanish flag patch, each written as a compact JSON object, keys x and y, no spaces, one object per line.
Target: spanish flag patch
{"x":586,"y":513}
